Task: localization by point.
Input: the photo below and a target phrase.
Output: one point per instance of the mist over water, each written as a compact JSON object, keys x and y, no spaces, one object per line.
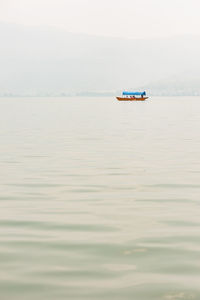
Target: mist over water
{"x":99,"y":199}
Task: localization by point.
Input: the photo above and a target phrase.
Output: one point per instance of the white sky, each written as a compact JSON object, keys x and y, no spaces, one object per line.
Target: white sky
{"x":124,"y":18}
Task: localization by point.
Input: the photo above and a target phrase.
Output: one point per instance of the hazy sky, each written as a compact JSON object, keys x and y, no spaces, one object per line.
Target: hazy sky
{"x":124,"y":18}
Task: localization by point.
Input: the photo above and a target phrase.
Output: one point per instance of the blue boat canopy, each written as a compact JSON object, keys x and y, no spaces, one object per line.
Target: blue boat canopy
{"x":134,"y":93}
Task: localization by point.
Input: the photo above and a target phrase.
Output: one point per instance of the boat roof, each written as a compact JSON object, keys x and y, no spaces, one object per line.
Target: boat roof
{"x":134,"y":93}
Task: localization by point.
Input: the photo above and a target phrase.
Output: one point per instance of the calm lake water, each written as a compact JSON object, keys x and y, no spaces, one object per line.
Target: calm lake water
{"x":99,"y":199}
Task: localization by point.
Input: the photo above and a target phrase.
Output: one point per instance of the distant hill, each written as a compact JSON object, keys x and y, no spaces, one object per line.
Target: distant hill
{"x":183,"y":84}
{"x":46,"y":61}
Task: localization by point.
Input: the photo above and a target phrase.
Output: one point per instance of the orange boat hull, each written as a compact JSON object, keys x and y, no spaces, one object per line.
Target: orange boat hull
{"x":131,"y":99}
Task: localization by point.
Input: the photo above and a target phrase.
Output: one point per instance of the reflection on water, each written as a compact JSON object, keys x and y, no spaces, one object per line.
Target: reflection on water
{"x":99,"y":199}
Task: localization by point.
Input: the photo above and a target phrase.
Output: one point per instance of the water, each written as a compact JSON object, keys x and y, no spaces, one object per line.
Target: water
{"x":99,"y":199}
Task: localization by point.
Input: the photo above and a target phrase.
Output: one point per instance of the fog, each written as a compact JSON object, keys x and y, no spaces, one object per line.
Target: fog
{"x":119,"y":18}
{"x":80,"y":47}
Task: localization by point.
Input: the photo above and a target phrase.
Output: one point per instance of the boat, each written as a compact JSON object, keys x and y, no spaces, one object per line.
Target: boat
{"x":131,"y":96}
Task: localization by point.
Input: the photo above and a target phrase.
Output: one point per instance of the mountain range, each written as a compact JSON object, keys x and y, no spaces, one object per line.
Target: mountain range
{"x":44,"y":61}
